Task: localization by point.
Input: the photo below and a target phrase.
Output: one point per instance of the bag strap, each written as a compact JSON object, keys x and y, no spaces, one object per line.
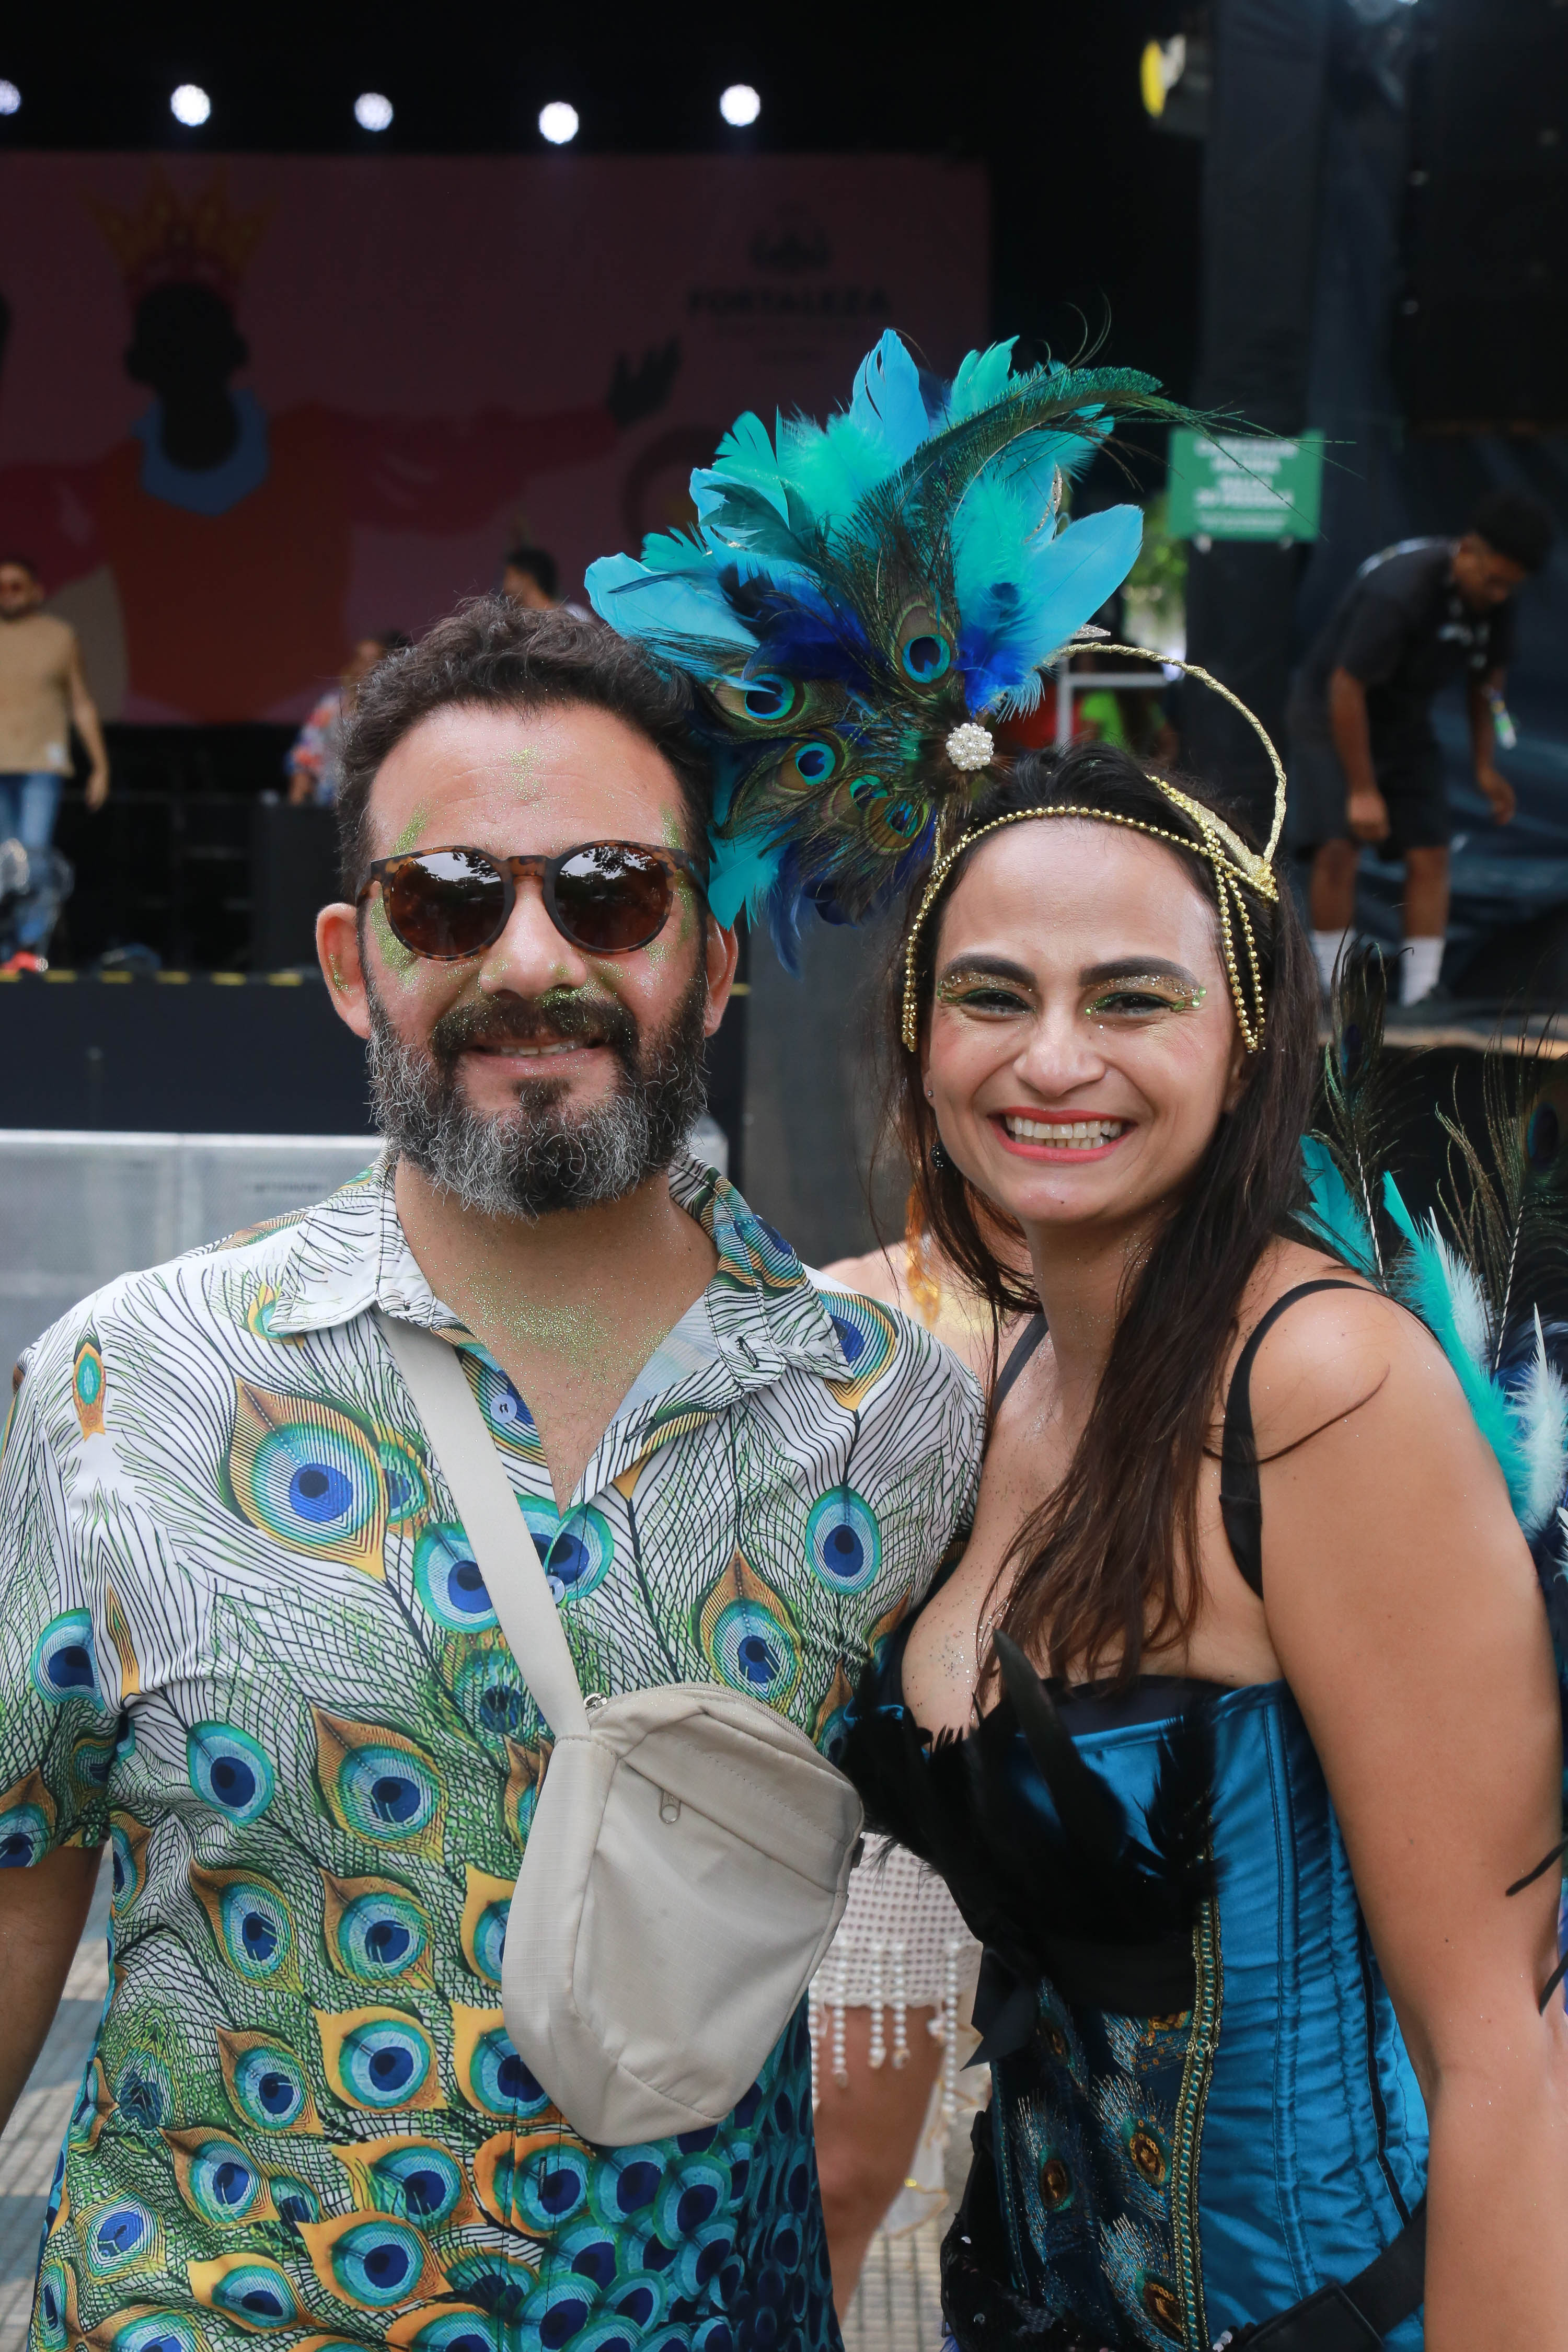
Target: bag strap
{"x":504,"y":1550}
{"x":1358,"y":2317}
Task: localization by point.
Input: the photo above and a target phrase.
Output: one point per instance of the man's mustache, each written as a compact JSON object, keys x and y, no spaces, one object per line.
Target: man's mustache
{"x":532,"y":1021}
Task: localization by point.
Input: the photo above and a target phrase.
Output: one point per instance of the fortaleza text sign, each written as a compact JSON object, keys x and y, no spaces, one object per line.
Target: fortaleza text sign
{"x":1239,"y":487}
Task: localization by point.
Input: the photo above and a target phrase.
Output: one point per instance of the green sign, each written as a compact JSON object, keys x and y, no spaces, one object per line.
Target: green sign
{"x":1237,"y":486}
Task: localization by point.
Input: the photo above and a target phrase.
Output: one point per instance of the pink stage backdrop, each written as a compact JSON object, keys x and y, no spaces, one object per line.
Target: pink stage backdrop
{"x":253,"y":407}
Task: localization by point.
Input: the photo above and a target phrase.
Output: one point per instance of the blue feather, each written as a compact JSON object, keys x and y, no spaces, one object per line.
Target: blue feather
{"x":664,"y":606}
{"x":1054,"y":586}
{"x":1439,"y":1288}
{"x":887,"y":400}
{"x":1332,"y":1211}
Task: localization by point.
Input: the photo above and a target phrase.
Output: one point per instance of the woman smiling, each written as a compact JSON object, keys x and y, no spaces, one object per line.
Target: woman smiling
{"x":1233,"y":1729}
{"x":1237,"y":1718}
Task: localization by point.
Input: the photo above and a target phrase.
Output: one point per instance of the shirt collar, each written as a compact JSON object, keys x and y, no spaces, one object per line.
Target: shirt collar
{"x":760,"y":1316}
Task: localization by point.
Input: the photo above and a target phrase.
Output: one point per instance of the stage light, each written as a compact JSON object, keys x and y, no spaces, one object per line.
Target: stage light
{"x":558,"y":122}
{"x":372,"y":112}
{"x":190,"y":105}
{"x":10,"y":97}
{"x":740,"y":105}
{"x":1175,"y":79}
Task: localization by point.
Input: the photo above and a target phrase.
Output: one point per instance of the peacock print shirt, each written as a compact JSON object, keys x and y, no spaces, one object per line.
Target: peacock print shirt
{"x":243,"y":1639}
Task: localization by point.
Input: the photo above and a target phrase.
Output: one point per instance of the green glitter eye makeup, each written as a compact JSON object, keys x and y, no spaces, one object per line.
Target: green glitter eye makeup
{"x":1147,"y":993}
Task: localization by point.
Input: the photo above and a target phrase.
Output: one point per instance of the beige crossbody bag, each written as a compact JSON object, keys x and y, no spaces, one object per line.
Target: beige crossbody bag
{"x":688,"y":1856}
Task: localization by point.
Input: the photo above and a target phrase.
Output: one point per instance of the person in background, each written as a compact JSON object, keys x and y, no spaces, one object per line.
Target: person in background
{"x":1364,"y":763}
{"x":532,"y":578}
{"x":882,"y":2115}
{"x":43,"y":695}
{"x":314,"y":755}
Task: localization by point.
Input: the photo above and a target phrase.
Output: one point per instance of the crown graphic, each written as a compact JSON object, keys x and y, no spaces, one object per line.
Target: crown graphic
{"x":201,"y":241}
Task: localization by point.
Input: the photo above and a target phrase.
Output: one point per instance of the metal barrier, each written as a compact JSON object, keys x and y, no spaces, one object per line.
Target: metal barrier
{"x":79,"y":1207}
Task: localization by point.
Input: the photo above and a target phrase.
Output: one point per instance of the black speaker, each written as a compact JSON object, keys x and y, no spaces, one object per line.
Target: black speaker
{"x":293,"y":874}
{"x":1481,"y":339}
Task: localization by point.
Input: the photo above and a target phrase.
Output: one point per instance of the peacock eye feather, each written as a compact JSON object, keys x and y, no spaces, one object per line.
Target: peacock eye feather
{"x":27,"y":1816}
{"x":378,"y":1784}
{"x":267,"y":2082}
{"x":229,"y":1770}
{"x":413,"y":2179}
{"x":447,"y":1580}
{"x":117,"y":2236}
{"x":377,"y":1931}
{"x":810,"y":766}
{"x":764,"y":702}
{"x":844,"y":1541}
{"x":456,"y":2327}
{"x":218,"y":2178}
{"x":924,"y":647}
{"x":306,"y":1474}
{"x":379,"y":2059}
{"x":547,"y":2184}
{"x":486,"y":1904}
{"x":55,"y":2308}
{"x":252,"y":1922}
{"x":748,"y":1634}
{"x":869,"y":1338}
{"x":87,"y":1385}
{"x":491,"y":2075}
{"x":371,"y":2261}
{"x":253,"y":2292}
{"x":63,"y":1664}
{"x":154,"y":2331}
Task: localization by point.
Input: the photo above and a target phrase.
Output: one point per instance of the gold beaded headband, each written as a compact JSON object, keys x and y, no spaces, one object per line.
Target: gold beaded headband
{"x":1234,"y":866}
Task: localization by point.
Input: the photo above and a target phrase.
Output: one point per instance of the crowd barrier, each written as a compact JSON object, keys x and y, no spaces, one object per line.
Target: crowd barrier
{"x":81,"y":1207}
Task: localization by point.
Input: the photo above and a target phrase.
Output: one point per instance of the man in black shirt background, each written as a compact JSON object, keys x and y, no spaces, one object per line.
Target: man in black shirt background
{"x":1364,"y":762}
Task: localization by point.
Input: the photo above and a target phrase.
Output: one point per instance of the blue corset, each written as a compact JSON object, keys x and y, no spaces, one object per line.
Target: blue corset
{"x":1311,"y":2144}
{"x":1162,"y":2178}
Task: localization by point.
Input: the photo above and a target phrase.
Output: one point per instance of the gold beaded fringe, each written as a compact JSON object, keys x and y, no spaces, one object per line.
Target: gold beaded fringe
{"x":1234,"y":865}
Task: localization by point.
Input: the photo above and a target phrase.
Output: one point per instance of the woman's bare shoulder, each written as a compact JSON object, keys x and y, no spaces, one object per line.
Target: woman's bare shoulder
{"x":1337,"y":1351}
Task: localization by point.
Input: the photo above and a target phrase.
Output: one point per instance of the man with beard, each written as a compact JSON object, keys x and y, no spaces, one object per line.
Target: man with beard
{"x":243,"y":1637}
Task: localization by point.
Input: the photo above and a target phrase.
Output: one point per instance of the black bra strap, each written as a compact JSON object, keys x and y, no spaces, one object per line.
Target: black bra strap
{"x":1023,"y":1348}
{"x":1240,"y":1496}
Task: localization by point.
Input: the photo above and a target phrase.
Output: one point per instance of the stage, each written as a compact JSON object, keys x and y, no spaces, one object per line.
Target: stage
{"x":221,"y":1053}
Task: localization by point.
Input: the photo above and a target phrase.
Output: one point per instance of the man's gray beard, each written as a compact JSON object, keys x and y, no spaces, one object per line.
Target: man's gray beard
{"x":542,"y":1157}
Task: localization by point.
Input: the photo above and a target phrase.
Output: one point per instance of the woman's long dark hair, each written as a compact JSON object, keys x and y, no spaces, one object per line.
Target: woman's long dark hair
{"x":1106,"y":1565}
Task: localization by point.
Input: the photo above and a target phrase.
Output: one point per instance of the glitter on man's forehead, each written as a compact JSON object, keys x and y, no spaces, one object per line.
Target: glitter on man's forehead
{"x":408,"y":838}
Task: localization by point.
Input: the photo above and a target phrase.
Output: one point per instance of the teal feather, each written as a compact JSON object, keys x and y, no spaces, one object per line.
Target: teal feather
{"x":1333,"y":1213}
{"x":982,"y":378}
{"x":740,"y":875}
{"x":1436,"y":1284}
{"x":854,"y":591}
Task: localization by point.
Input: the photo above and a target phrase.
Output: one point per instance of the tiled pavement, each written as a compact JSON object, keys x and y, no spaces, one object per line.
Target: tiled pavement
{"x":896,"y":2309}
{"x":32,"y":2139}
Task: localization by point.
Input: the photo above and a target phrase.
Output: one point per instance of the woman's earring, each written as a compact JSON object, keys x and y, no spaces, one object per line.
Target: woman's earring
{"x":939,"y":1158}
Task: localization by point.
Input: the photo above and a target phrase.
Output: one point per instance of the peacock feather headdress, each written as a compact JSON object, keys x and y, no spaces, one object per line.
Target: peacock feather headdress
{"x":862,"y":602}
